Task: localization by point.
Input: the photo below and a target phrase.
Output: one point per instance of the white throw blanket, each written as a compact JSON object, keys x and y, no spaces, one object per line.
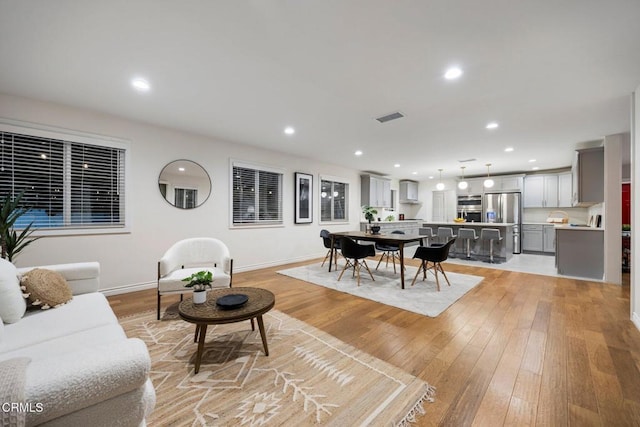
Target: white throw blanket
{"x":13,"y":375}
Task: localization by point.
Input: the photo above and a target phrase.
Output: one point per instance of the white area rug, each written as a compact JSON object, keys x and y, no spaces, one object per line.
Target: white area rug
{"x":422,"y":298}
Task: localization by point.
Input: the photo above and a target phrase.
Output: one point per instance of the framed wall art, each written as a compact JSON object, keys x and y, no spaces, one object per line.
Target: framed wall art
{"x":304,"y":198}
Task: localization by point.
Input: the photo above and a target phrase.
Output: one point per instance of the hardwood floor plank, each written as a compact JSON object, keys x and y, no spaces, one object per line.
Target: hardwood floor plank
{"x":544,"y":338}
{"x":579,"y":381}
{"x":496,"y":401}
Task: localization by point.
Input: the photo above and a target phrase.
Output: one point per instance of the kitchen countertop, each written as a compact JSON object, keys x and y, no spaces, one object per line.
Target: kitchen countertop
{"x":579,"y":228}
{"x":472,"y":224}
{"x":391,"y":222}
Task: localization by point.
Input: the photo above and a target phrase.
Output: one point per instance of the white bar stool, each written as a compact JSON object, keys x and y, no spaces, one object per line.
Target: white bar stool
{"x":468,"y":234}
{"x":444,"y":235}
{"x":490,"y":234}
{"x":427,"y":234}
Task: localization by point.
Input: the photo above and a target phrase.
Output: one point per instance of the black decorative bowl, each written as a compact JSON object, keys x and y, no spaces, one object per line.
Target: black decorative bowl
{"x":231,"y":301}
{"x":375,"y":229}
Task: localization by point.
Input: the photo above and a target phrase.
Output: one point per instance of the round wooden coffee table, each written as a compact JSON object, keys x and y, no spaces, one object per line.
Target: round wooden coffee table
{"x":260,"y":301}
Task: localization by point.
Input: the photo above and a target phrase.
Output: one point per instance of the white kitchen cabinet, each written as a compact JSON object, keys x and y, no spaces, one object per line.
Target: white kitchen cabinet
{"x":509,"y":183}
{"x":375,"y":191}
{"x":474,"y":186}
{"x":549,"y":238}
{"x":532,"y":237}
{"x":408,"y":191}
{"x":541,"y":191}
{"x":565,"y":185}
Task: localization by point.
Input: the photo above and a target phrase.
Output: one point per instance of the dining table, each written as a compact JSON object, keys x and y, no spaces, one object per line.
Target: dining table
{"x":399,"y":240}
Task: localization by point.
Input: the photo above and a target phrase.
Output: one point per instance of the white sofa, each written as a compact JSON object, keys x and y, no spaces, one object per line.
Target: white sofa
{"x":83,"y":369}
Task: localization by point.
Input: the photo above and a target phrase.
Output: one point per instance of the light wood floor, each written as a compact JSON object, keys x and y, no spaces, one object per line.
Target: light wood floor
{"x":519,"y":349}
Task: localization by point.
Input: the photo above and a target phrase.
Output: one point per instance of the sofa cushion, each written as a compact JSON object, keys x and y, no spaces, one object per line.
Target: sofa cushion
{"x":12,"y":304}
{"x":93,"y":375}
{"x":83,"y":312}
{"x":69,"y":344}
{"x":45,"y":288}
{"x":82,"y":277}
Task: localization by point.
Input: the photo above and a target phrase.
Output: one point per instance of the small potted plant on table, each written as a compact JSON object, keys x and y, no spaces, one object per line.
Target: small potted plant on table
{"x":200,"y":282}
{"x":369,"y":215}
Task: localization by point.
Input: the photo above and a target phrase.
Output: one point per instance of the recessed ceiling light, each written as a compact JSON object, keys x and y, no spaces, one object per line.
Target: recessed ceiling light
{"x":358,"y":153}
{"x":289,"y":130}
{"x":532,"y":160}
{"x":452,"y":73}
{"x":508,"y":149}
{"x":492,"y":125}
{"x":181,"y":169}
{"x":397,"y":165}
{"x":414,"y":173}
{"x":535,"y":168}
{"x":431,"y":177}
{"x":140,"y":84}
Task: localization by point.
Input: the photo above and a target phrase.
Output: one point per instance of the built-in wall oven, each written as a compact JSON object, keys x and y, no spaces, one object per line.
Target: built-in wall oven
{"x":470,"y":207}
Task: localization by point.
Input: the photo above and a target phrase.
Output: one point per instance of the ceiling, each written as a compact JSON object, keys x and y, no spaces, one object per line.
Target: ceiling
{"x":553,"y":74}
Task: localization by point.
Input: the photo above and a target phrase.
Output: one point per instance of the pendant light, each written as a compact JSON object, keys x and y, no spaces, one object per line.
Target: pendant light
{"x":488,"y":183}
{"x":463,"y":184}
{"x":440,"y":185}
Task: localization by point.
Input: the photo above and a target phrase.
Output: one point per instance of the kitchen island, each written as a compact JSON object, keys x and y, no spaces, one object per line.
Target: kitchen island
{"x":502,"y":250}
{"x":580,"y":251}
{"x":409,"y":227}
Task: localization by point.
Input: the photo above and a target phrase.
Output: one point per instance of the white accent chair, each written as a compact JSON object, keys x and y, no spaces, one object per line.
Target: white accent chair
{"x":189,"y":256}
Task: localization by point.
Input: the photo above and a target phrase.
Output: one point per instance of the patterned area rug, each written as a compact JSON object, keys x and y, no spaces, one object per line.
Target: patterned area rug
{"x":422,"y":298}
{"x":309,"y":377}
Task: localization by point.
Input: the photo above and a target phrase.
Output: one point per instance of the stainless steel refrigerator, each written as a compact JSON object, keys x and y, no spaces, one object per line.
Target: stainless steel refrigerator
{"x":505,"y":207}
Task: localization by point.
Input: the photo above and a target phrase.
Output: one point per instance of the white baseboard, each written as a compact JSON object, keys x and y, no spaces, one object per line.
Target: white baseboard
{"x":117,"y":290}
{"x":635,"y":318}
{"x":276,"y":263}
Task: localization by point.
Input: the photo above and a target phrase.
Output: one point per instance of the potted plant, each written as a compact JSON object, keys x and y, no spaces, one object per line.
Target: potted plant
{"x":11,"y":241}
{"x":369,"y":215}
{"x":200,"y":282}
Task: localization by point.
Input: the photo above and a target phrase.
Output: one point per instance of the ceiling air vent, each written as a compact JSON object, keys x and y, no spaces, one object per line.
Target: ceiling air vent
{"x":389,"y":117}
{"x":467,"y":160}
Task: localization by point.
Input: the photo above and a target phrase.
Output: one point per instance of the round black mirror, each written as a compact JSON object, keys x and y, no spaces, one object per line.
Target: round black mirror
{"x":184,"y":184}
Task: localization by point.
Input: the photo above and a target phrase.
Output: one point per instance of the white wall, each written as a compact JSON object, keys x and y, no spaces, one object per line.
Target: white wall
{"x":635,"y":206}
{"x":131,"y":259}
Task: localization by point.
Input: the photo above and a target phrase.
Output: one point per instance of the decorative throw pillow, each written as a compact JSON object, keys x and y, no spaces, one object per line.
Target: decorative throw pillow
{"x":12,"y":305}
{"x":45,"y":288}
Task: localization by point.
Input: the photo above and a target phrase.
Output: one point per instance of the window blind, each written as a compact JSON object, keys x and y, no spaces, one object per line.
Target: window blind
{"x":66,"y":184}
{"x":257,"y":196}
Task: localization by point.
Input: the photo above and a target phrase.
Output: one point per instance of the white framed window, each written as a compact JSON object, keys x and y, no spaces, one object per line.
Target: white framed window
{"x":334,"y":199}
{"x":72,"y":183}
{"x":256,"y":194}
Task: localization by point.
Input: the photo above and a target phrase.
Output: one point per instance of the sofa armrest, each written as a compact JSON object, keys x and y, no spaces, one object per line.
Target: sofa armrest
{"x":72,"y":382}
{"x":83,"y":277}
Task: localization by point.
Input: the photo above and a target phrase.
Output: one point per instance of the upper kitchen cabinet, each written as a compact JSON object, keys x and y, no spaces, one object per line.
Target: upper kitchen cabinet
{"x":375,"y":191}
{"x":565,"y":184}
{"x":509,"y":183}
{"x":541,"y":191}
{"x":408,"y":191}
{"x":501,"y":183}
{"x":474,"y":186}
{"x":588,"y":177}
